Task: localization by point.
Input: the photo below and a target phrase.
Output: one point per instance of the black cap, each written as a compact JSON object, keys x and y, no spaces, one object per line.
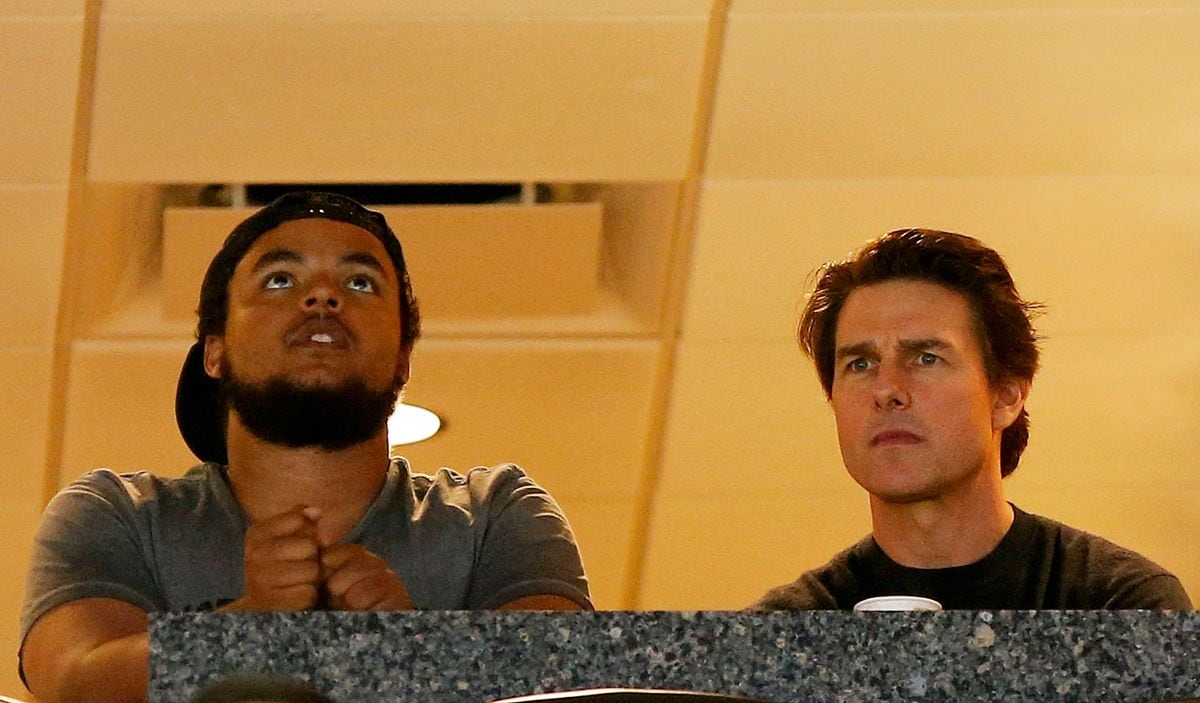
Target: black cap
{"x":199,"y":407}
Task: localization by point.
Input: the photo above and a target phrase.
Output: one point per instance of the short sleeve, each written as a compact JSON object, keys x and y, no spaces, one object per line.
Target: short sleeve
{"x":1161,"y":591}
{"x":527,"y":547}
{"x":88,"y":546}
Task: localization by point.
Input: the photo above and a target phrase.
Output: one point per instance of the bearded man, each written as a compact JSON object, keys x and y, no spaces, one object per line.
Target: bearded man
{"x":307,"y":322}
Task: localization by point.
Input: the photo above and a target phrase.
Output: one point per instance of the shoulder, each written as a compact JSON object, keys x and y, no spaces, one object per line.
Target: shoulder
{"x":1107,"y":574}
{"x":136,"y":491}
{"x":822,"y":588}
{"x":480,"y":486}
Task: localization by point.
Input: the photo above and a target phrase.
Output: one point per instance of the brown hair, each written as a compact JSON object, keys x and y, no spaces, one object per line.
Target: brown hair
{"x":1003,"y":320}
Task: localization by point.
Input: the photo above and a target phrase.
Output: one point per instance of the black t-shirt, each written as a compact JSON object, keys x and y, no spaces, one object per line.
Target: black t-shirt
{"x":1040,"y":564}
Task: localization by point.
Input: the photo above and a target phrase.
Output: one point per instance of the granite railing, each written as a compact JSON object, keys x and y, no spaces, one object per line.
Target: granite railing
{"x":473,"y":657}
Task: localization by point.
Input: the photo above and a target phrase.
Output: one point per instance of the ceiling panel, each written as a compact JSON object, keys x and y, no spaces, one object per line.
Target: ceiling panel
{"x":580,"y":434}
{"x":604,"y":532}
{"x":25,"y":405}
{"x":1078,"y":244}
{"x":1105,"y":402}
{"x":390,"y":8}
{"x":42,"y":8}
{"x":745,"y":415}
{"x":574,"y":413}
{"x":39,"y":67}
{"x":428,"y":99}
{"x":467,"y":262}
{"x":868,"y":94}
{"x":791,"y":7}
{"x":725,"y":552}
{"x":32,"y":241}
{"x":1152,"y":520}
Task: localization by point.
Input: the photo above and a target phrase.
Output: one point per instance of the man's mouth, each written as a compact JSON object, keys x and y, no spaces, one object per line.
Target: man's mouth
{"x":328,"y":332}
{"x":895,"y":438}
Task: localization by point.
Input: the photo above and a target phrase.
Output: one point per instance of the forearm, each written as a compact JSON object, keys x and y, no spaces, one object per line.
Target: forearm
{"x":117,"y":671}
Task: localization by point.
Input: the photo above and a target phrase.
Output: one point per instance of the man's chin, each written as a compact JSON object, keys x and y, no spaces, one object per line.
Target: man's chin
{"x":310,"y":413}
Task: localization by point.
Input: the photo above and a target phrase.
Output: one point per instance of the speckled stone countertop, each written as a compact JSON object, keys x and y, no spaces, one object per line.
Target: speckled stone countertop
{"x":817,"y":656}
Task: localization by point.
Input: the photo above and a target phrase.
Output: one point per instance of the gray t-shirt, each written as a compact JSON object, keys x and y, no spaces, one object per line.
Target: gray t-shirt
{"x":476,"y":541}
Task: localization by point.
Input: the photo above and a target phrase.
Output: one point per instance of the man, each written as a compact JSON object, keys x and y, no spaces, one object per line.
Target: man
{"x":926,"y":353}
{"x":307,"y":321}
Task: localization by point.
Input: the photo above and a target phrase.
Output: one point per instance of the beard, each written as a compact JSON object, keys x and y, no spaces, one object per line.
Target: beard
{"x":326,"y":417}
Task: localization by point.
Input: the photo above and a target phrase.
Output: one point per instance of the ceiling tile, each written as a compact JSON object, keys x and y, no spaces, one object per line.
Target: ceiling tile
{"x":868,"y":94}
{"x":39,"y":64}
{"x":430,"y":99}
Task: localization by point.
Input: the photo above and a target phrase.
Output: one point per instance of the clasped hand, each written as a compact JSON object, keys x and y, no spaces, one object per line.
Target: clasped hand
{"x":287,"y":567}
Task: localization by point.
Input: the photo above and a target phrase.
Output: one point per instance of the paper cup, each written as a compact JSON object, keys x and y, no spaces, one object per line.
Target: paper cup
{"x":897,"y":603}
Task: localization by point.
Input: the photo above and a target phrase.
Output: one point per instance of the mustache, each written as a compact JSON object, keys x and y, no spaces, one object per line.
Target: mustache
{"x":318,"y":323}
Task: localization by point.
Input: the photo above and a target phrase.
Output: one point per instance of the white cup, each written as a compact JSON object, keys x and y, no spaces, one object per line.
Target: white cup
{"x":897,"y":603}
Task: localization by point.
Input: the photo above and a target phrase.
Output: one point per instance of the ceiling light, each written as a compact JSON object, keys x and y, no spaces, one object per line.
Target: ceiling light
{"x":410,"y":424}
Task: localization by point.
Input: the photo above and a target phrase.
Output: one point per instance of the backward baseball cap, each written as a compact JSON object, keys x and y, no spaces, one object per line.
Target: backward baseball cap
{"x":200,"y":410}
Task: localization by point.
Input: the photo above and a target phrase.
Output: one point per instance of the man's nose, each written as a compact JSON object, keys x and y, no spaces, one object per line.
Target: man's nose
{"x":322,"y":294}
{"x":891,"y":389}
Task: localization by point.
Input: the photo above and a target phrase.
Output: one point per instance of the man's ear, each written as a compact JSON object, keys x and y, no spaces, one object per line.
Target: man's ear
{"x":402,"y":365}
{"x":1008,"y":400}
{"x":214,"y":355}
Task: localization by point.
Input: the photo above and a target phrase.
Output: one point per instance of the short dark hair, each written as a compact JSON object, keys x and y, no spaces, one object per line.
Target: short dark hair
{"x":1003,"y":320}
{"x":200,"y":407}
{"x":214,"y":291}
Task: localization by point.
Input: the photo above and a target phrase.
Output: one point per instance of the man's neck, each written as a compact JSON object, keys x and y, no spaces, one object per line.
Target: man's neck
{"x":944,"y":532}
{"x":268,"y":479}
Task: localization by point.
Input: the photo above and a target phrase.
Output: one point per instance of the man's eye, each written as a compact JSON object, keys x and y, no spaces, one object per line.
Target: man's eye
{"x":277,"y":280}
{"x":362,"y":284}
{"x":927,"y":359}
{"x":858,"y":364}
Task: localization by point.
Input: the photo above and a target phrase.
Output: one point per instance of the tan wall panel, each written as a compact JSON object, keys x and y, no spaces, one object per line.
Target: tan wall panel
{"x":639,"y":232}
{"x":603,"y":529}
{"x":573,"y":413}
{"x":579,"y":433}
{"x":889,"y":93}
{"x":725,"y":552}
{"x":39,"y":69}
{"x":389,"y":8}
{"x":465,"y":261}
{"x":1115,"y":258}
{"x":1110,"y":440}
{"x":31,"y":260}
{"x":791,"y":7}
{"x":121,"y":409}
{"x":24,"y":408}
{"x":502,"y":401}
{"x":746,"y":415}
{"x":1117,"y":409}
{"x":31,"y":252}
{"x":30,"y":9}
{"x":751,"y":491}
{"x":352,"y":99}
{"x":1160,"y":522}
{"x":1081,"y":245}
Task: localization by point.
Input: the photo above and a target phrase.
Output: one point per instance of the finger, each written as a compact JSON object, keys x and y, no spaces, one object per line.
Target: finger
{"x":337,"y":556}
{"x":344,"y":564}
{"x":282,"y":576}
{"x":286,"y":549}
{"x":298,"y":520}
{"x":300,"y":597}
{"x":356,"y":579}
{"x":369,"y":593}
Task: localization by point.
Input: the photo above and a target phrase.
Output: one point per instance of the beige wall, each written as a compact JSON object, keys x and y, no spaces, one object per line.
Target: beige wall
{"x":40,"y":51}
{"x":733,"y":145}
